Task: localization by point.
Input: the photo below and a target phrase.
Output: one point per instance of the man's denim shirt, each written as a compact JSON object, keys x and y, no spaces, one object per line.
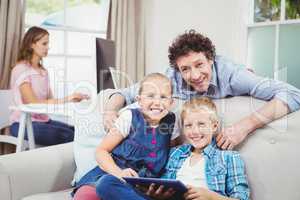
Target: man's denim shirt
{"x":228,"y":79}
{"x":224,"y":170}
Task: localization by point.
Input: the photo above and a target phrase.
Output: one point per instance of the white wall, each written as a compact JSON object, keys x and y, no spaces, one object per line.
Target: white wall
{"x":223,"y":21}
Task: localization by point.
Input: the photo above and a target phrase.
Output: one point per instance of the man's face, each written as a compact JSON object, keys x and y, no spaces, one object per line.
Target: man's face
{"x":196,"y":70}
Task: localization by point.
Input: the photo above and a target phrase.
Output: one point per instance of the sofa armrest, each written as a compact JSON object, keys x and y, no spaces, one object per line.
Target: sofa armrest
{"x":45,"y":169}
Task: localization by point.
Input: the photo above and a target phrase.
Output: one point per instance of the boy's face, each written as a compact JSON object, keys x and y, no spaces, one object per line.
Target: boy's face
{"x":198,"y":128}
{"x":155,"y":99}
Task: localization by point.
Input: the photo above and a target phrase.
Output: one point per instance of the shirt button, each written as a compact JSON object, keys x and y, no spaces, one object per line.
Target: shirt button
{"x":152,"y":154}
{"x":272,"y":141}
{"x":150,"y":165}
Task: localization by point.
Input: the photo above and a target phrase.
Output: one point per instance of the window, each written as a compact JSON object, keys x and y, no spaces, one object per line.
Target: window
{"x":273,"y":39}
{"x":73,"y":25}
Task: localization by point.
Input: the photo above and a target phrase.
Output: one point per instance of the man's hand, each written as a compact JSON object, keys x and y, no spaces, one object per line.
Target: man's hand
{"x":231,"y":136}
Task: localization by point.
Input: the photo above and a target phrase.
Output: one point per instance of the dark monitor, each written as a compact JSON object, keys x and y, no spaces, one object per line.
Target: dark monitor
{"x":105,"y":58}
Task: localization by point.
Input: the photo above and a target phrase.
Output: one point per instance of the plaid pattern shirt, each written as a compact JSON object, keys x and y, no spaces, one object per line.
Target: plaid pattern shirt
{"x":224,"y":170}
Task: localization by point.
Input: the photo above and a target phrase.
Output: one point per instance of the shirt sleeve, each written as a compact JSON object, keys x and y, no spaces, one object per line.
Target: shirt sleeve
{"x":21,"y":76}
{"x":244,"y":82}
{"x":123,"y":122}
{"x":170,"y":168}
{"x":236,"y":181}
{"x":128,"y":93}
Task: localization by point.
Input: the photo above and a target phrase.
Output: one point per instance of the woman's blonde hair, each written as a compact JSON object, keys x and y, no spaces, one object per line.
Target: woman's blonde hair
{"x":200,"y":103}
{"x":33,"y":35}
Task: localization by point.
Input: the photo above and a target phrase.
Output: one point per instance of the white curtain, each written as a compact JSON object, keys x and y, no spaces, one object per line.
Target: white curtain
{"x":126,"y":26}
{"x":11,"y":29}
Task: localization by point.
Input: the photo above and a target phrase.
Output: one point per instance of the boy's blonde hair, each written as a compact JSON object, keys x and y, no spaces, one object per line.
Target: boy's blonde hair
{"x":200,"y":103}
{"x":154,"y":76}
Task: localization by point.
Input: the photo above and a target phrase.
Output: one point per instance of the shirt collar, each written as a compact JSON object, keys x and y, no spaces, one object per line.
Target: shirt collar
{"x":213,"y":80}
{"x":34,"y":71}
{"x":209,"y":150}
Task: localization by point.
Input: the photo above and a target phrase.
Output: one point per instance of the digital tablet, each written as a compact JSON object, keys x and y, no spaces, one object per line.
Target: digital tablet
{"x":177,"y":185}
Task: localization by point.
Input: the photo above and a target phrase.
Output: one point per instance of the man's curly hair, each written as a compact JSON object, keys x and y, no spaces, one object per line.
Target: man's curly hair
{"x":190,"y":41}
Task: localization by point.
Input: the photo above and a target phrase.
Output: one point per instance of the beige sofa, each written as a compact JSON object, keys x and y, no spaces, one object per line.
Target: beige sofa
{"x":271,"y":156}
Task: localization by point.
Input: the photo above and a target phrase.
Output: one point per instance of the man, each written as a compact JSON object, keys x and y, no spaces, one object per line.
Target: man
{"x":197,"y":71}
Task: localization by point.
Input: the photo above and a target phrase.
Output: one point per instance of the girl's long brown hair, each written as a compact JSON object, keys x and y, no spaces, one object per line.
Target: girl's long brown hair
{"x":33,"y":35}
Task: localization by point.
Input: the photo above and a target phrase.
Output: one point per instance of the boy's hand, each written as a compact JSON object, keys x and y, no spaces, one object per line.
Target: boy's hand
{"x":194,"y":193}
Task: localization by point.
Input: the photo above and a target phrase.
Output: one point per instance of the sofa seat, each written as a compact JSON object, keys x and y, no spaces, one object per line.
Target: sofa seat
{"x":61,"y":195}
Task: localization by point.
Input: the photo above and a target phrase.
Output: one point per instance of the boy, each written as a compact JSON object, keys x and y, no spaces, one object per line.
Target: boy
{"x":209,"y":173}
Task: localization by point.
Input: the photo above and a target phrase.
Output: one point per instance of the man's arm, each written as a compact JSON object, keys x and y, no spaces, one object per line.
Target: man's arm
{"x":114,"y":104}
{"x":273,"y":110}
{"x":116,"y":101}
{"x":283,"y":98}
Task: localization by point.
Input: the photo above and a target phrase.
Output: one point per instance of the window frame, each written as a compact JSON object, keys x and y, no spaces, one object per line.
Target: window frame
{"x":68,"y":29}
{"x":277,"y":24}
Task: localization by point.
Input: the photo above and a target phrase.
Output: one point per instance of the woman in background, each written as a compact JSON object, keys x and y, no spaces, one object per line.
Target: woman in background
{"x":30,"y":84}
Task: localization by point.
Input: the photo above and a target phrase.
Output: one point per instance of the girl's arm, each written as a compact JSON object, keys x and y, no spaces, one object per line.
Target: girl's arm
{"x":28,"y":96}
{"x":103,"y":156}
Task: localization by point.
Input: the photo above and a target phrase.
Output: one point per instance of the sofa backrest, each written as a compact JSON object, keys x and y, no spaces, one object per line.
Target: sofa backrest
{"x":270,"y":153}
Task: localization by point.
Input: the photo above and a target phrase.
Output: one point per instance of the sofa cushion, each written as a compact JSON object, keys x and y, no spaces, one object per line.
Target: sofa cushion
{"x":61,"y":195}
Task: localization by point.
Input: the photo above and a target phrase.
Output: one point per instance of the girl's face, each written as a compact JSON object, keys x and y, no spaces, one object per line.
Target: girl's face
{"x":155,"y":99}
{"x":41,"y":47}
{"x":198,"y":128}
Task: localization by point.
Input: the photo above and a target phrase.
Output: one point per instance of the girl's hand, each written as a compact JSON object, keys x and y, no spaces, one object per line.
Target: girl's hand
{"x":77,"y":97}
{"x":194,"y":193}
{"x":128,"y":172}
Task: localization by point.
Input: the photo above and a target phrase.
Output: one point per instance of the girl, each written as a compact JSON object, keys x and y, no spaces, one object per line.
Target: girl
{"x":30,"y":84}
{"x":137,"y":145}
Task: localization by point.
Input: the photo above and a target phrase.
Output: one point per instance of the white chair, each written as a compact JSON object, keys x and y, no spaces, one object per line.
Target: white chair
{"x":6,"y":101}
